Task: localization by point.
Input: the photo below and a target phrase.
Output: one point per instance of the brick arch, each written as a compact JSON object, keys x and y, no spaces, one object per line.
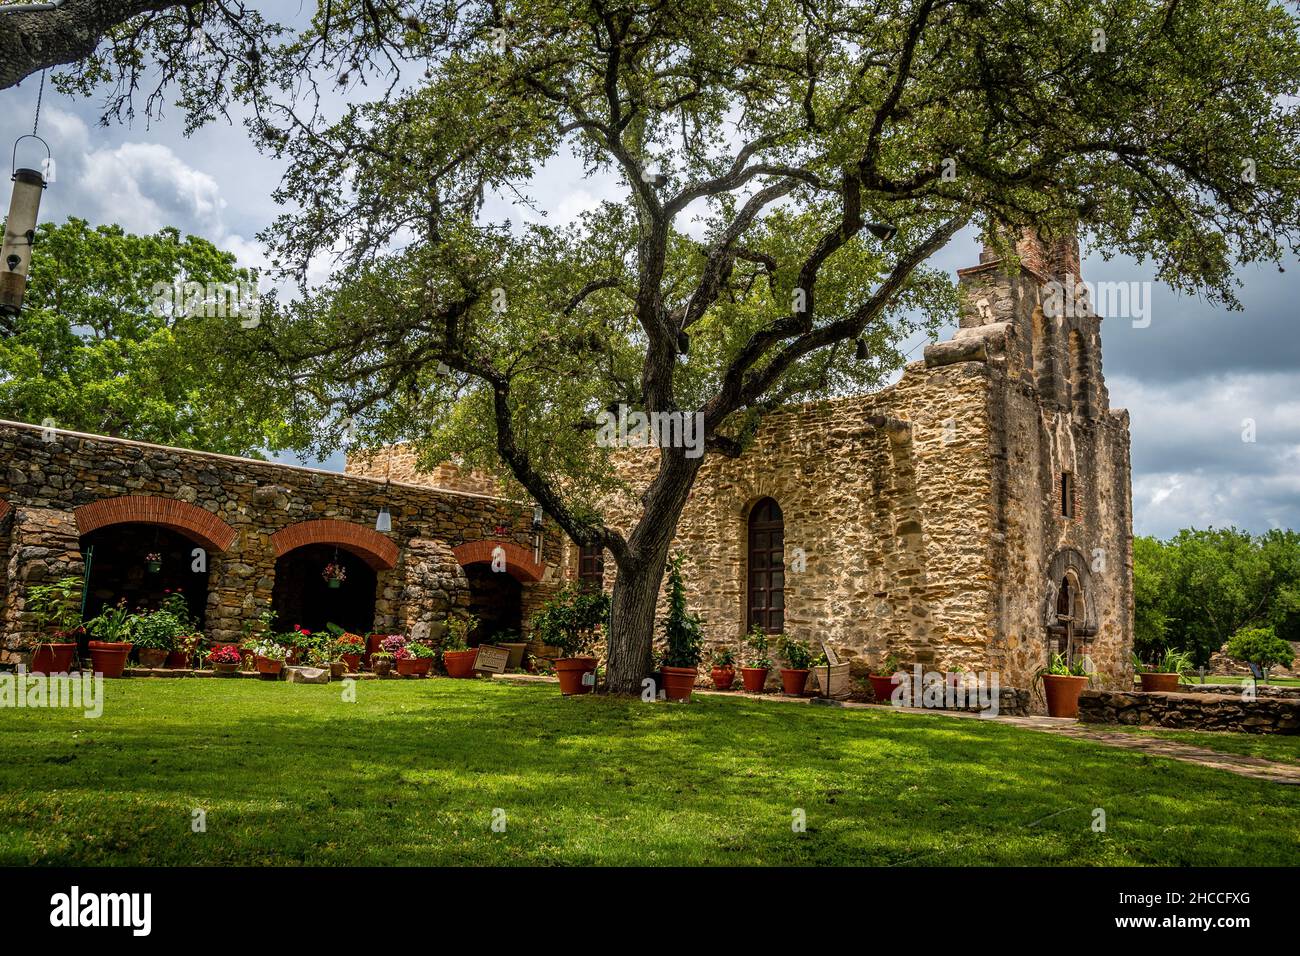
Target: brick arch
{"x":519,"y":560}
{"x":370,"y":546}
{"x":4,"y":509}
{"x":198,"y":524}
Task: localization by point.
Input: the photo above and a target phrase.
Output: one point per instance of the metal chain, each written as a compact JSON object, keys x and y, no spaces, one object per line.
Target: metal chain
{"x":40,"y":95}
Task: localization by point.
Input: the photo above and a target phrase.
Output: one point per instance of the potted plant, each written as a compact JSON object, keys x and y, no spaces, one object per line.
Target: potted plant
{"x":56,"y":610}
{"x":724,"y":668}
{"x":381,"y":662}
{"x":1062,"y":683}
{"x":224,"y":659}
{"x":800,"y":657}
{"x":350,"y":648}
{"x":754,"y":674}
{"x":268,"y":657}
{"x":457,"y":656}
{"x":883,"y":679}
{"x":112,"y":629}
{"x":1163,"y":675}
{"x":683,"y":637}
{"x":300,"y":643}
{"x":568,"y":623}
{"x":414,"y":659}
{"x":184,"y":651}
{"x":334,"y":574}
{"x":154,"y":636}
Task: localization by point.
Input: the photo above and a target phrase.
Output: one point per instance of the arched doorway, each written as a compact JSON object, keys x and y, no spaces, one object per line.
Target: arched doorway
{"x":496,"y":599}
{"x":122,"y":566}
{"x":303,"y":596}
{"x":765,"y":603}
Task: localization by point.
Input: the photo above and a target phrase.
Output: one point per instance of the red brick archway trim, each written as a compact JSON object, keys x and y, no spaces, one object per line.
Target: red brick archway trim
{"x":370,"y":546}
{"x":519,"y":560}
{"x":4,"y":509}
{"x":199,"y":525}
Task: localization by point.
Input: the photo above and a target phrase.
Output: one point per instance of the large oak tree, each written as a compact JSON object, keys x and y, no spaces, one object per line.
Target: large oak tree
{"x":752,"y":143}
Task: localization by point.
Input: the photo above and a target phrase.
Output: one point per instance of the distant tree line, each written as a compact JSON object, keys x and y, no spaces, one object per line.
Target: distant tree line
{"x":1197,"y":590}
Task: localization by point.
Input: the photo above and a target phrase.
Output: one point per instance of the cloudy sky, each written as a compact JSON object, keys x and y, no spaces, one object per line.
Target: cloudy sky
{"x":1191,"y":378}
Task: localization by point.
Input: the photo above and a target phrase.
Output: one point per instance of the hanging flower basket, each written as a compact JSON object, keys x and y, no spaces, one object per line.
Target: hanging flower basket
{"x":153,"y":561}
{"x":334,"y":574}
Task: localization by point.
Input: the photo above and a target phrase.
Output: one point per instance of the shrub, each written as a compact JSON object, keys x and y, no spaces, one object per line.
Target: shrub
{"x":682,"y":633}
{"x":158,"y":631}
{"x":758,"y":642}
{"x":569,"y":620}
{"x":796,"y":653}
{"x":455,"y":637}
{"x":1259,"y":646}
{"x":724,"y":657}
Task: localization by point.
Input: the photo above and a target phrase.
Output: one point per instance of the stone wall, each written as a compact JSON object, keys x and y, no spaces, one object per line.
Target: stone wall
{"x":1196,"y":711}
{"x":59,"y":490}
{"x":399,"y":463}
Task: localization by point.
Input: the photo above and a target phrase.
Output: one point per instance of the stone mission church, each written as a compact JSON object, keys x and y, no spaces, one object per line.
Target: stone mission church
{"x":975,"y":514}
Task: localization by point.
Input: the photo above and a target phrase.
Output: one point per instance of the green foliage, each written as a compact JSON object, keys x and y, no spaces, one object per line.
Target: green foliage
{"x":456,"y":635}
{"x":758,"y":642}
{"x":56,"y":606}
{"x":97,"y":349}
{"x":157,"y":630}
{"x":424,"y":651}
{"x":888,"y":667}
{"x":1260,"y":646}
{"x":570,"y":618}
{"x":1058,"y":666}
{"x":724,"y":657}
{"x":683,"y":635}
{"x":114,"y":623}
{"x":1198,"y":589}
{"x":797,"y":653}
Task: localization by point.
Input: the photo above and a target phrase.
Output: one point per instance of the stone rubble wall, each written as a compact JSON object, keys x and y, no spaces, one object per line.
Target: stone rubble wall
{"x":45,"y":481}
{"x":1196,"y":711}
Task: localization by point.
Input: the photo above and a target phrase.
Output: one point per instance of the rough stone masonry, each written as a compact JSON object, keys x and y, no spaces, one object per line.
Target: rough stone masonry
{"x":977,"y":514}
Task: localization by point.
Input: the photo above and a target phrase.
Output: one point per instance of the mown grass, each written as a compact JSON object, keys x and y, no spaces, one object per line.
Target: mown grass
{"x":1284,"y":749}
{"x":412,"y":771}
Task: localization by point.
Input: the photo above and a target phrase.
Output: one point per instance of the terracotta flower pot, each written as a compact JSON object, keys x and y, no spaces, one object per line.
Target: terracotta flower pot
{"x":1158,"y":682}
{"x":679,"y":682}
{"x":225,"y":670}
{"x":883,"y":688}
{"x":754,"y":679}
{"x":408,"y":667}
{"x":178,"y":660}
{"x":152,"y":657}
{"x":1062,"y":693}
{"x":109,"y":657}
{"x":794,"y":680}
{"x":723,"y":677}
{"x":353,"y":662}
{"x":268,"y":666}
{"x":381,"y":668}
{"x":459,"y":663}
{"x":52,"y":658}
{"x":570,"y":670}
{"x":423,"y":665}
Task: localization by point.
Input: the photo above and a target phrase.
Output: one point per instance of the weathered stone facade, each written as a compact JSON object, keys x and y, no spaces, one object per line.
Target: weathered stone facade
{"x":927,"y":520}
{"x":244,"y":516}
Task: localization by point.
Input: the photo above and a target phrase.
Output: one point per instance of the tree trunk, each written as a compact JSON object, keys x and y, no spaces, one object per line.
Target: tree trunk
{"x":636,"y":592}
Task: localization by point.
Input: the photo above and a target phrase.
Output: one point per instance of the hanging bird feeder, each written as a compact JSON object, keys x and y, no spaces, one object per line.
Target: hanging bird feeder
{"x":20,"y":231}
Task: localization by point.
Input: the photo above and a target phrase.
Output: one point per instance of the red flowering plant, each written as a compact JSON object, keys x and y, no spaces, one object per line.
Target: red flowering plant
{"x":225,"y":654}
{"x":394,"y":644}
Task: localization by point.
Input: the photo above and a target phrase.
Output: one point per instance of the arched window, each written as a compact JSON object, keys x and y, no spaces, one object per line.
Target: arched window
{"x":766,"y":592}
{"x":591,"y":567}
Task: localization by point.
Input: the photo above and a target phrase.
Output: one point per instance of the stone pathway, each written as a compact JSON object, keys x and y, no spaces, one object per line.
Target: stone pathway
{"x":1254,"y":767}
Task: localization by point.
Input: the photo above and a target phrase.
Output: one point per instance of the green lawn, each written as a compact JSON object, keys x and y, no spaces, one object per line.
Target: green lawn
{"x":411,"y":774}
{"x":1283,"y":749}
{"x":1271,"y":682}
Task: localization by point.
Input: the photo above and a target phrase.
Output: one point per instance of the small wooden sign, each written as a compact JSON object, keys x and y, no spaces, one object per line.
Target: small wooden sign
{"x":492,"y":659}
{"x":831,"y":656}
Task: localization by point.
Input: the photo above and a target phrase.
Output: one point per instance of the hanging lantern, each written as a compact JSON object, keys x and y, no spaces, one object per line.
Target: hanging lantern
{"x":20,"y":233}
{"x":385,"y":521}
